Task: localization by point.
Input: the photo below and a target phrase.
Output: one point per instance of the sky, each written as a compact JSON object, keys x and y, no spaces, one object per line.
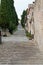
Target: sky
{"x":21,"y":5}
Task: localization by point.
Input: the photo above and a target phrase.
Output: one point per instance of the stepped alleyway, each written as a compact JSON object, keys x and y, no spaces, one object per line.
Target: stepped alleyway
{"x":19,"y":50}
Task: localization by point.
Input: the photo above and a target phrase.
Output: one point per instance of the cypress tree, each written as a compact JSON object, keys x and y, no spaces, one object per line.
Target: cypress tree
{"x":23,"y":18}
{"x":9,"y":18}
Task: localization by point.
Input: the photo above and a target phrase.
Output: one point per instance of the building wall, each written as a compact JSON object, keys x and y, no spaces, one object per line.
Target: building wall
{"x":38,"y":23}
{"x":30,"y":26}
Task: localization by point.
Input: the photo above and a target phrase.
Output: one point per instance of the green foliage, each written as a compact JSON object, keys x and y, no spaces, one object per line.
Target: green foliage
{"x":11,"y":27}
{"x":9,"y":18}
{"x":28,"y":34}
{"x":23,"y":18}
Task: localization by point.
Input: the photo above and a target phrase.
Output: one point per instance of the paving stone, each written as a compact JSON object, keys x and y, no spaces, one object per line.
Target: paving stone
{"x":20,"y":52}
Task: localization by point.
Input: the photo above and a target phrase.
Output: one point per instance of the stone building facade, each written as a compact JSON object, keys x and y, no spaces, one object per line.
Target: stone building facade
{"x":35,"y":21}
{"x":30,"y":21}
{"x":38,"y":23}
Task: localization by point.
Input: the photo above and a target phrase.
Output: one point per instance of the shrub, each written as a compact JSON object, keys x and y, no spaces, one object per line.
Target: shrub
{"x":28,"y":34}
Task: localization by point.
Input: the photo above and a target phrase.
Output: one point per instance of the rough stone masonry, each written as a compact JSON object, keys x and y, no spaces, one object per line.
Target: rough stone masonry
{"x":38,"y":23}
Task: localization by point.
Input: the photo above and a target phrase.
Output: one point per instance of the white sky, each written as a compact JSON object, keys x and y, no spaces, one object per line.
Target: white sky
{"x":20,"y":5}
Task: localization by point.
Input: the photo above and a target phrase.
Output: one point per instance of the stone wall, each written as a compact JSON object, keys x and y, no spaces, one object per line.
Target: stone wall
{"x":30,"y":22}
{"x":38,"y":23}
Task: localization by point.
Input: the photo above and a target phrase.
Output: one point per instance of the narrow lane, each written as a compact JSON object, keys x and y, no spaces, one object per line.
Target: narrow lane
{"x":18,"y":36}
{"x":18,"y":50}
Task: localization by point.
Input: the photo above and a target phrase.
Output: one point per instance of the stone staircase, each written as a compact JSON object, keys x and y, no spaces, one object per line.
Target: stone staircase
{"x":19,"y":50}
{"x":20,"y":54}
